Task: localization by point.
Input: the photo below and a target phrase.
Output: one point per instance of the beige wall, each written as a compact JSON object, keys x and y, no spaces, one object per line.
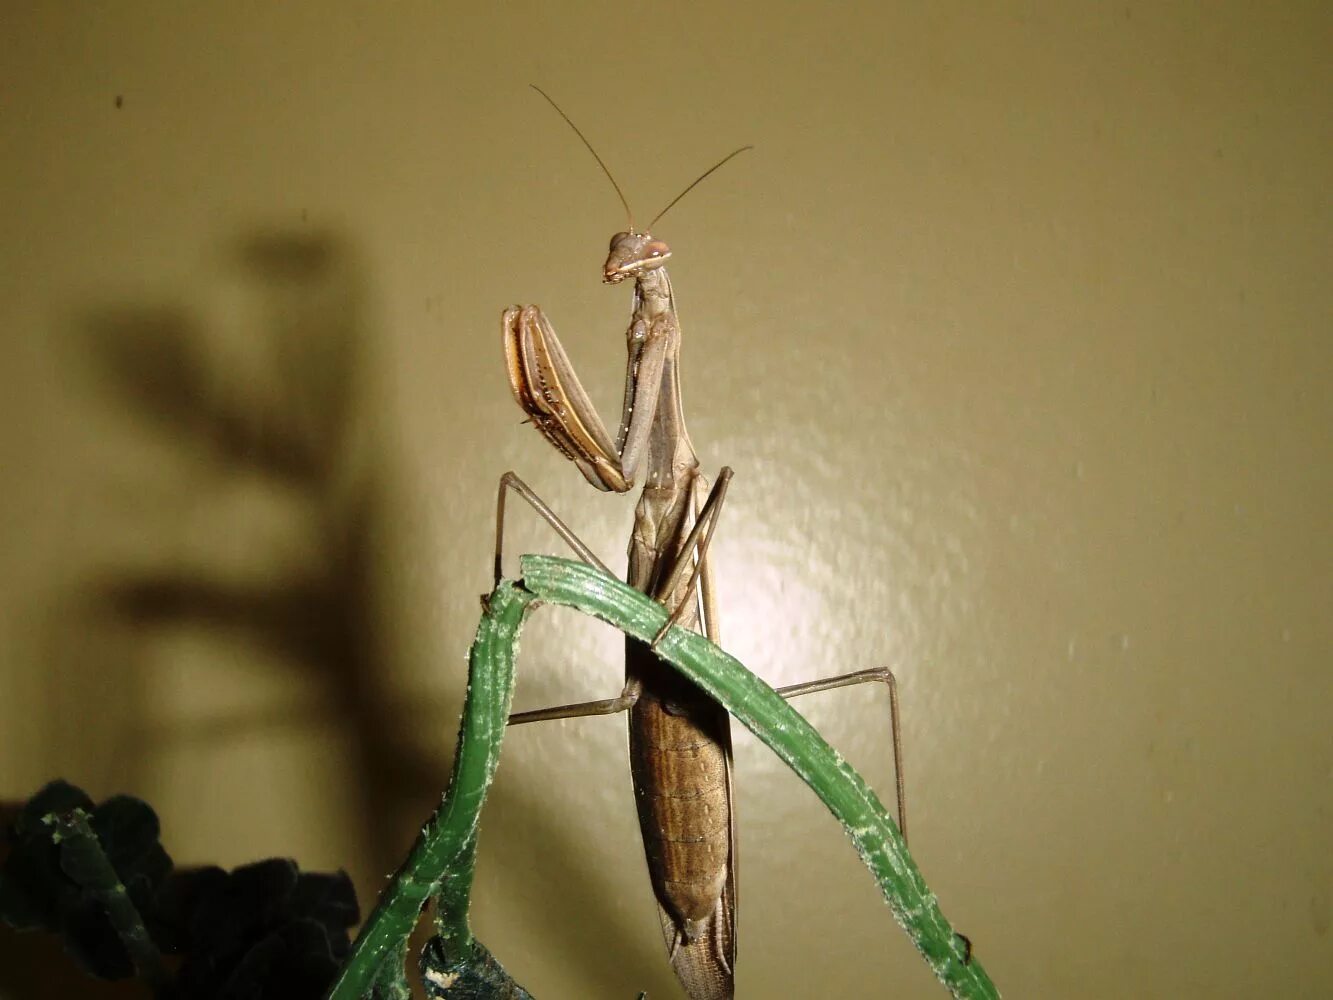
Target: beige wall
{"x":1015,"y":327}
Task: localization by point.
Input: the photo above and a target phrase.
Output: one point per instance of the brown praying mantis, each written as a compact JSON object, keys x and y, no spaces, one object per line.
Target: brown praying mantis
{"x":679,"y":738}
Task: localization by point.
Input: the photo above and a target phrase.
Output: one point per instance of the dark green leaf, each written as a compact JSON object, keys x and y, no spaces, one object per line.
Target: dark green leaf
{"x":128,"y":830}
{"x":264,"y":930}
{"x":34,"y":890}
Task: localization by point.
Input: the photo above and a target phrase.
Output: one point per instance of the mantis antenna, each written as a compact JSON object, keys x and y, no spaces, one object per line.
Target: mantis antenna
{"x":695,"y":183}
{"x":629,"y":215}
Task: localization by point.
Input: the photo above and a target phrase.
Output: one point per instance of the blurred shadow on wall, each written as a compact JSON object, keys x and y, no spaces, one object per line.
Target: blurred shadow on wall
{"x":267,"y":545}
{"x":279,"y":502}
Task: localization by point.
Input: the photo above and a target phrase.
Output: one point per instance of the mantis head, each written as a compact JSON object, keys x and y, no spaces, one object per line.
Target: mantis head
{"x":631,"y":255}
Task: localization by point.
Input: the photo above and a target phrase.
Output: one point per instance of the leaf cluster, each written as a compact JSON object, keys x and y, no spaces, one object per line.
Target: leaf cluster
{"x":262,"y":930}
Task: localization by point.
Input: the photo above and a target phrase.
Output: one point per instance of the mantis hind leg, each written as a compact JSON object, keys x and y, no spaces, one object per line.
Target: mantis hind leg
{"x":882,"y":675}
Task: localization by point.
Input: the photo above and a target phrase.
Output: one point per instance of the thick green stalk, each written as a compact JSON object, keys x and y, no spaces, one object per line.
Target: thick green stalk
{"x":442,"y":859}
{"x":763,"y":711}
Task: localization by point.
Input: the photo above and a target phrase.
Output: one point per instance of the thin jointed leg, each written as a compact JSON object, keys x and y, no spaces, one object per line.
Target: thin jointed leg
{"x":880,"y":674}
{"x":510,"y":481}
{"x":705,"y":522}
{"x":609,"y":706}
{"x":707,"y":597}
{"x":694,"y":553}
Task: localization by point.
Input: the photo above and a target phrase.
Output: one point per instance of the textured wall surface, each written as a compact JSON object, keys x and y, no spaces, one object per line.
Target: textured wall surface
{"x":1015,"y":328}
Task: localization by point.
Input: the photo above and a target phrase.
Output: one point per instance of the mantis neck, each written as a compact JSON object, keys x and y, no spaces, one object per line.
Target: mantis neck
{"x":654,"y":296}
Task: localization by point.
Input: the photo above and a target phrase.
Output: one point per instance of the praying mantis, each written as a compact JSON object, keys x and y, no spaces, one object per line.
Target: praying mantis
{"x":679,"y":738}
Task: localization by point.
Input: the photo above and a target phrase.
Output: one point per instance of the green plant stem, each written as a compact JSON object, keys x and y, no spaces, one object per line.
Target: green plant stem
{"x":82,"y":858}
{"x":763,"y":711}
{"x":442,"y":860}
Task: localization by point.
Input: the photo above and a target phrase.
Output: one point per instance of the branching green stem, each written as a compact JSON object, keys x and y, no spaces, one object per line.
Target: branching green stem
{"x":441,"y":863}
{"x":442,"y":859}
